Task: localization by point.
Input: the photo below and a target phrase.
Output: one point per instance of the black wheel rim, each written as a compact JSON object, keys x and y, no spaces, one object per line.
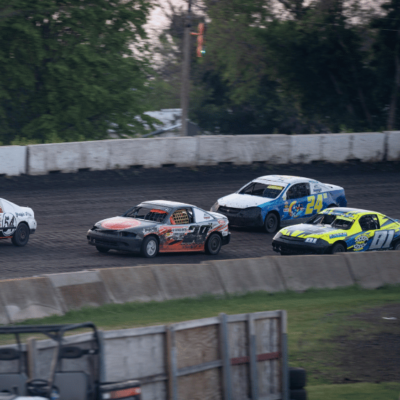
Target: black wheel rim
{"x":270,"y":222}
{"x":214,"y":244}
{"x":23,"y":234}
{"x":339,"y":249}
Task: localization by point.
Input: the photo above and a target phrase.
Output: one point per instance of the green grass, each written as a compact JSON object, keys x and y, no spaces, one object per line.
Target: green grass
{"x":314,"y":318}
{"x":355,"y":391}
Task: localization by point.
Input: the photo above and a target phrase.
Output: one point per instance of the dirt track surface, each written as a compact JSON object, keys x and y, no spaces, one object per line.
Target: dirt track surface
{"x":67,"y":205}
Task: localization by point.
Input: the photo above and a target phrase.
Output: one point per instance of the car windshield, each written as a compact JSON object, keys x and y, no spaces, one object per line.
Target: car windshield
{"x":334,"y":221}
{"x":271,"y":191}
{"x":147,"y":213}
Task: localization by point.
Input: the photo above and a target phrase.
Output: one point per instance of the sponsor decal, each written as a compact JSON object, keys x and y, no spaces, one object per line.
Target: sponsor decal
{"x":360,"y":242}
{"x":295,"y":209}
{"x":206,"y":216}
{"x":317,"y":189}
{"x":336,"y":235}
{"x":275,"y":187}
{"x":120,"y":223}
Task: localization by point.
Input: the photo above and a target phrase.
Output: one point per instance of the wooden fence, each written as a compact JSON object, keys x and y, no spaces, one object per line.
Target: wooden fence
{"x":230,"y":357}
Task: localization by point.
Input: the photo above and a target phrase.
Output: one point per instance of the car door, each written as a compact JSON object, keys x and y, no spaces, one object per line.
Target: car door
{"x":372,"y":237}
{"x":177,"y":228}
{"x":296,"y":203}
{"x":381,"y":238}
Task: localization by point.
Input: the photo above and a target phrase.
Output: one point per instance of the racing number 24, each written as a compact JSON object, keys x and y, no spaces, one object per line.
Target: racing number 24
{"x":314,"y":206}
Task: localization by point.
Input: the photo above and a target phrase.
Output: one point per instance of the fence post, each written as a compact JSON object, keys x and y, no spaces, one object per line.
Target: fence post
{"x":251,"y":332}
{"x":226,"y":360}
{"x":284,"y":355}
{"x":171,"y":363}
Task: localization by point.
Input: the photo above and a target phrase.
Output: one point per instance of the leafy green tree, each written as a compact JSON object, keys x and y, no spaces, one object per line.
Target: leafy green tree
{"x":70,"y":68}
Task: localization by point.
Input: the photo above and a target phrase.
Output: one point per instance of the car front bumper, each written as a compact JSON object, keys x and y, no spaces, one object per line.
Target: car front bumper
{"x":96,"y":238}
{"x":294,"y":245}
{"x":243,"y":218}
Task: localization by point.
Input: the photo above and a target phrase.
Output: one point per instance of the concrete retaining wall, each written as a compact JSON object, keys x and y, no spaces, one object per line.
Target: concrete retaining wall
{"x":39,"y":297}
{"x":199,"y":150}
{"x":13,"y":160}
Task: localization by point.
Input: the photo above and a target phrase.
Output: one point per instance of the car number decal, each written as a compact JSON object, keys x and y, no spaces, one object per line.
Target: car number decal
{"x":315,"y":206}
{"x":382,"y":240}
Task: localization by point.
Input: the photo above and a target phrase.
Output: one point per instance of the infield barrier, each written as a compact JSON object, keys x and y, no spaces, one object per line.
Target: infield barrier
{"x":28,"y":298}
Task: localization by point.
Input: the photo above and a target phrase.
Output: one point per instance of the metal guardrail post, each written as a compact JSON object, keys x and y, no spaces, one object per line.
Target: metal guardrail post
{"x":172,"y":364}
{"x":284,"y":355}
{"x":226,"y":361}
{"x":251,"y":332}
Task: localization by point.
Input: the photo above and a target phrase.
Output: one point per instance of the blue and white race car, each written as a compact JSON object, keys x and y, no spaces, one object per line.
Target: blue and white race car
{"x":273,"y":201}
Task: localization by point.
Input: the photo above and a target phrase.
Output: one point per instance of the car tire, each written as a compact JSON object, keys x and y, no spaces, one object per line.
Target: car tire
{"x":21,"y":235}
{"x":149,"y":247}
{"x":213,"y":244}
{"x":396,"y":246}
{"x":102,"y":249}
{"x":297,"y":378}
{"x":271,"y":223}
{"x":298,"y":394}
{"x":338,"y":248}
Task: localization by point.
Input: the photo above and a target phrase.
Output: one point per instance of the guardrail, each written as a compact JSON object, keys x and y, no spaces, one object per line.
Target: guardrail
{"x":59,"y":293}
{"x":198,"y":151}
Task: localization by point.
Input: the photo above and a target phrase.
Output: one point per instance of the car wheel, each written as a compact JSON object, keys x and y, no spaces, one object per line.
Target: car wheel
{"x":271,"y":223}
{"x":21,"y":235}
{"x":149,"y":247}
{"x":338,"y":248}
{"x":102,"y":249}
{"x":396,"y":246}
{"x":213,"y":244}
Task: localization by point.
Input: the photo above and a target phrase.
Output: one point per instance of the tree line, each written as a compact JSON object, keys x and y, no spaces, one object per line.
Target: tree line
{"x":75,"y":69}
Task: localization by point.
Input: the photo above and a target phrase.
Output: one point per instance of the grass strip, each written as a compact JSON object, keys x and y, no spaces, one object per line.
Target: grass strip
{"x":314,"y":318}
{"x":355,"y":391}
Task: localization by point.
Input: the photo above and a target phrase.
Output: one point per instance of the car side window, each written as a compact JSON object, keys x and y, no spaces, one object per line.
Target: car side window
{"x":182,"y":216}
{"x":369,"y":222}
{"x":299,"y":190}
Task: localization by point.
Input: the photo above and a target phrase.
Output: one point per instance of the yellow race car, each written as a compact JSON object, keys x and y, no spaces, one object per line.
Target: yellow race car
{"x":336,"y":230}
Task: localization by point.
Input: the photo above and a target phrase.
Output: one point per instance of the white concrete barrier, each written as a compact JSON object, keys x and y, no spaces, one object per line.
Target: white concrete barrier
{"x":12,"y":160}
{"x":131,"y":284}
{"x":249,"y":275}
{"x":319,"y":272}
{"x":79,"y":289}
{"x":306,"y":148}
{"x":393,"y":145}
{"x":187,"y":280}
{"x":29,"y":298}
{"x":368,"y":146}
{"x":200,"y":150}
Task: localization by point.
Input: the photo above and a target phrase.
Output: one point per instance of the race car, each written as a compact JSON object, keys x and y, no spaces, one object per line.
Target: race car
{"x":336,"y":230}
{"x":161,"y":226}
{"x":16,"y":223}
{"x":273,"y":201}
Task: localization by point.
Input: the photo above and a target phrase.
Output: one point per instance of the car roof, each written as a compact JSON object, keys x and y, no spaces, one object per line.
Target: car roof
{"x":284,"y":179}
{"x":167,"y":203}
{"x":348,"y":210}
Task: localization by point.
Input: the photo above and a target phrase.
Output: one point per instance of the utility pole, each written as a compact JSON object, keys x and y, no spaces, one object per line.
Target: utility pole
{"x":186,"y":72}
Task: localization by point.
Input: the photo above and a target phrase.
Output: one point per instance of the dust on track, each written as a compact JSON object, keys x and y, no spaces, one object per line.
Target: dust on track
{"x":67,"y":205}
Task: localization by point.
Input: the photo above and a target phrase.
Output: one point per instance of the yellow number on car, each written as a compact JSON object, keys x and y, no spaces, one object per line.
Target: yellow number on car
{"x":310,"y":205}
{"x":318,"y":204}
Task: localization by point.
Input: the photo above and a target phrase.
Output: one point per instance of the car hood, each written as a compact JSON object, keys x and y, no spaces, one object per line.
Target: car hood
{"x":308,"y":230}
{"x":236,"y":200}
{"x":124,"y":223}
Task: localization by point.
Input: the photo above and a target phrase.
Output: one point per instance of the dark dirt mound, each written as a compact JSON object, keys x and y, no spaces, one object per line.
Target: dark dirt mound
{"x":371,"y":353}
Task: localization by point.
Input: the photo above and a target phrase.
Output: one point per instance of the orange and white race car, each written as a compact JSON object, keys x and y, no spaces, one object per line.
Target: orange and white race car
{"x":161,"y":226}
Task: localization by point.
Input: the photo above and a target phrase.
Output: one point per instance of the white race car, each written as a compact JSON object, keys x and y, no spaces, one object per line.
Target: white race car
{"x":16,"y":223}
{"x":278,"y":200}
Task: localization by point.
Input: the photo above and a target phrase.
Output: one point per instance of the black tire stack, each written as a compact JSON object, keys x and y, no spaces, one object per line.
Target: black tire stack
{"x":297,"y":382}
